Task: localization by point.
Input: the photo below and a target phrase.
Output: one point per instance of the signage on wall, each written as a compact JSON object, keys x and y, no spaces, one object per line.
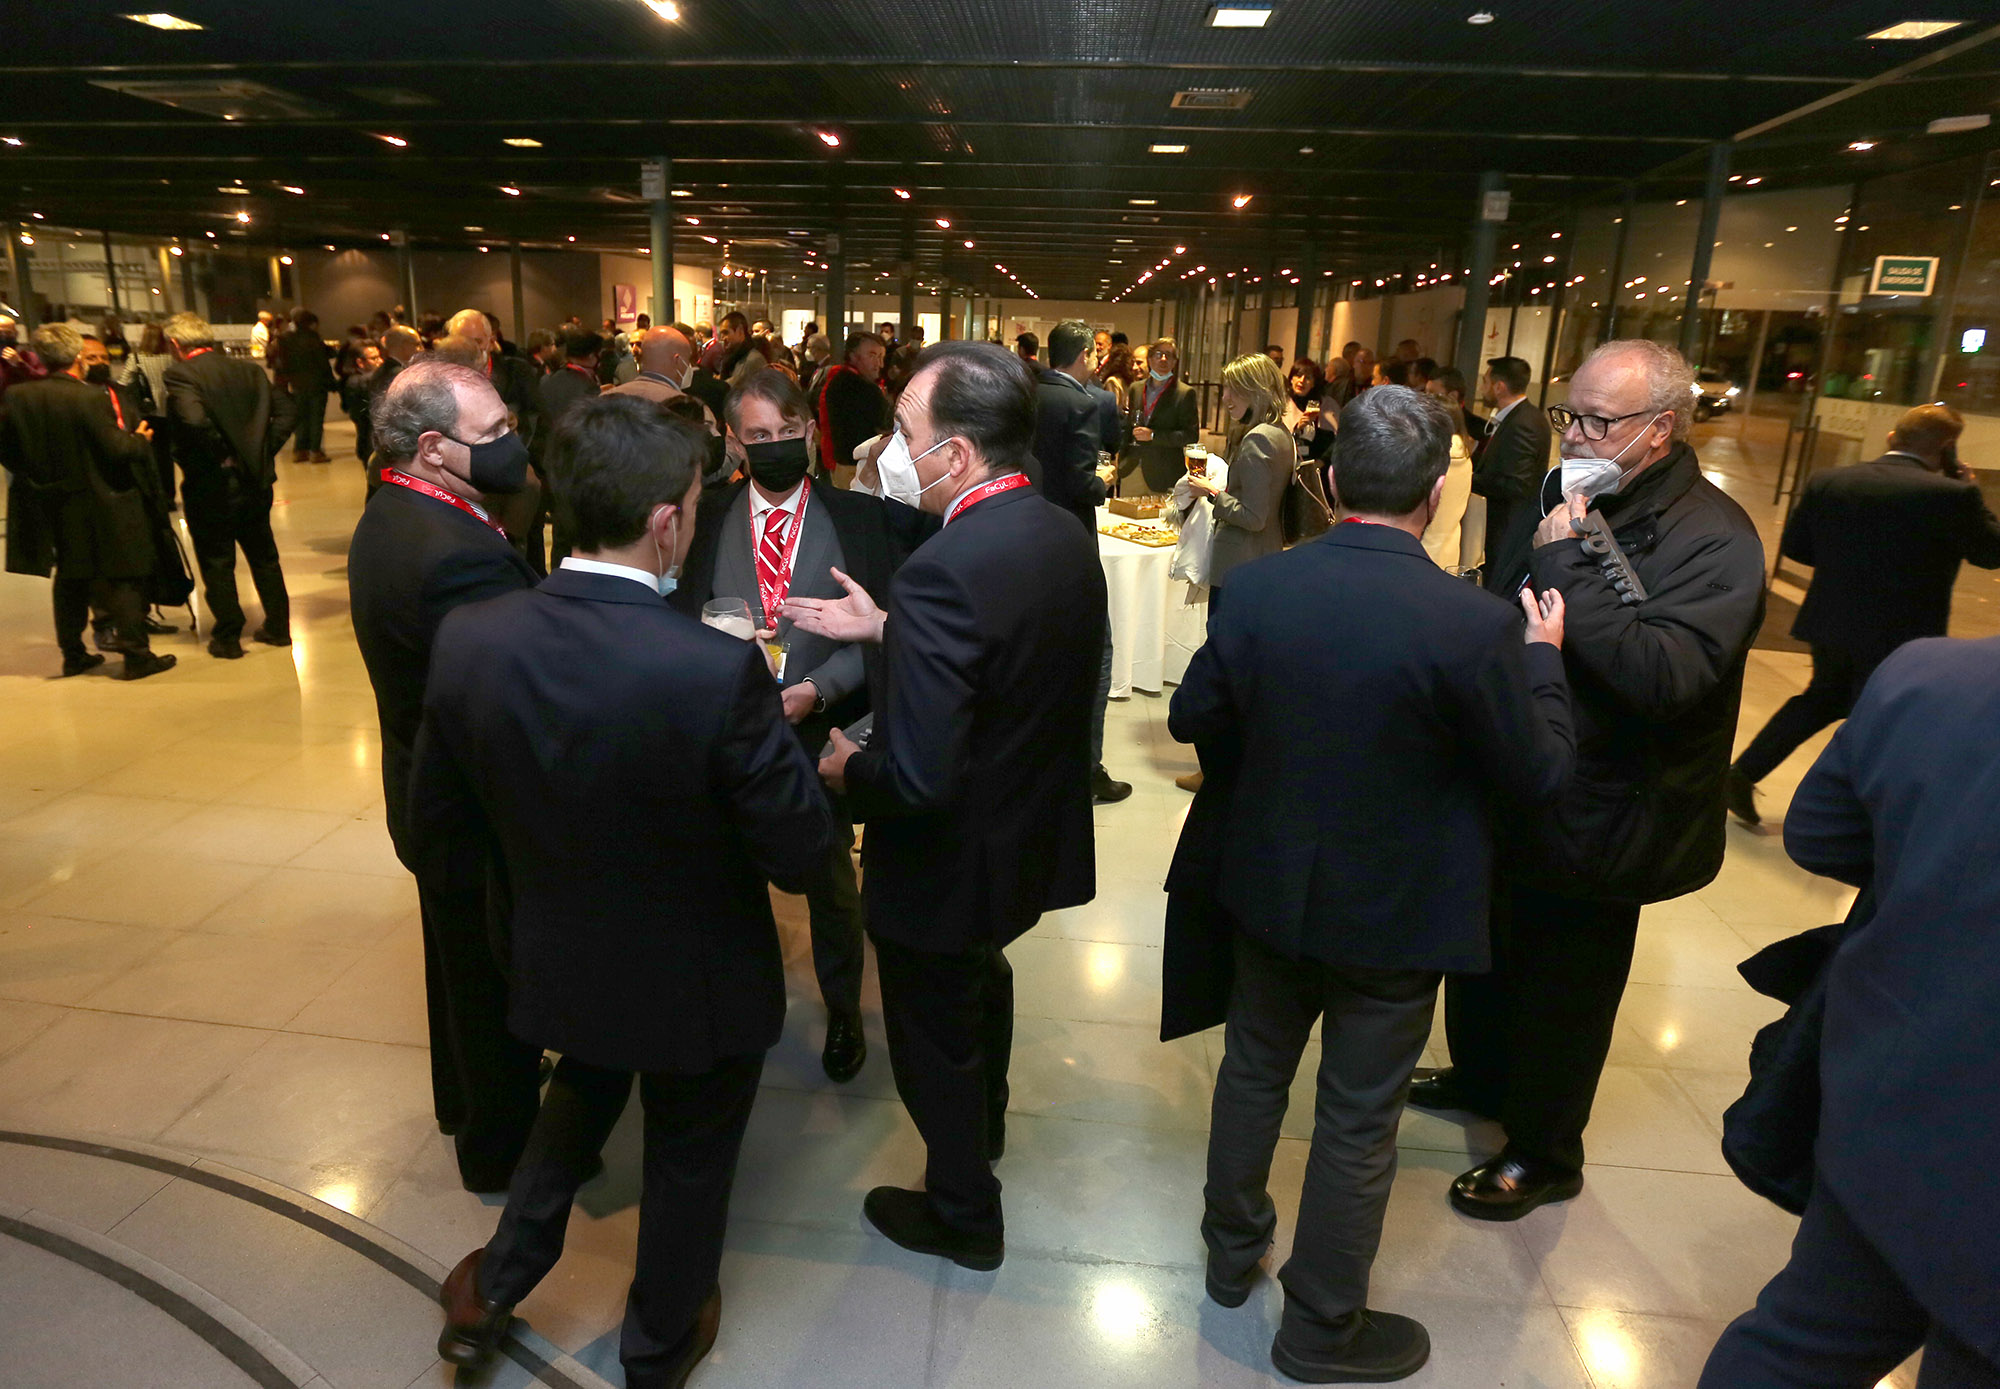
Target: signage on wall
{"x":1913,"y":275}
{"x":1495,"y":205}
{"x":625,"y":303}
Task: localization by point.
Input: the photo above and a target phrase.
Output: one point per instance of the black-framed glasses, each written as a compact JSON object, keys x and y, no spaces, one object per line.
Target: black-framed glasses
{"x":1594,"y":427}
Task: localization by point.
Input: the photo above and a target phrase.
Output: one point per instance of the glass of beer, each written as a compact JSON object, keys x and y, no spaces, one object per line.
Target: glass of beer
{"x":1196,"y":458}
{"x":731,"y":615}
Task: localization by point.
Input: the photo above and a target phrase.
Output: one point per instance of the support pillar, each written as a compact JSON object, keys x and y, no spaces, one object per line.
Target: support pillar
{"x":1608,"y":324}
{"x":906,"y":299}
{"x":111,"y":277}
{"x":656,"y":178}
{"x":18,"y":260}
{"x":520,"y":298}
{"x":909,"y":309}
{"x":406,"y":274}
{"x":1704,"y":246}
{"x":1478,"y":293}
{"x":1308,"y":268}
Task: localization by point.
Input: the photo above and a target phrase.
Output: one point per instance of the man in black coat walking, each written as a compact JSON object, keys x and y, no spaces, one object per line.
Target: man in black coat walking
{"x":1885,"y":540}
{"x":76,"y":503}
{"x":1355,"y":866}
{"x":1656,"y":685}
{"x":975,"y":783}
{"x":634,"y":774}
{"x":1896,"y":1247}
{"x":1507,"y":470}
{"x":426,"y":544}
{"x":227,"y":424}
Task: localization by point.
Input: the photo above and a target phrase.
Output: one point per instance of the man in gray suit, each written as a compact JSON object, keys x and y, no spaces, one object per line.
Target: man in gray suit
{"x":777,"y":534}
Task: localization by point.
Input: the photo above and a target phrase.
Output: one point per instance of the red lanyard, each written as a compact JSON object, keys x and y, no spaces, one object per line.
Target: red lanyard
{"x":584,"y":372}
{"x":189,"y":357}
{"x":397,"y":478}
{"x":983,"y":491}
{"x":773,"y":590}
{"x":116,"y":408}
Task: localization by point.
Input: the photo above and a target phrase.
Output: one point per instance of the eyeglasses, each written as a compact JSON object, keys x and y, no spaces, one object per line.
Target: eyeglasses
{"x":1594,"y":427}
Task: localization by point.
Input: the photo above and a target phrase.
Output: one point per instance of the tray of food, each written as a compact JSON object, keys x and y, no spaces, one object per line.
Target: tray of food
{"x":1138,"y":508}
{"x":1155,"y":537}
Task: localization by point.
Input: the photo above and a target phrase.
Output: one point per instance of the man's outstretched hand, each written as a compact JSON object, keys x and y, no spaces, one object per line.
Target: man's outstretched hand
{"x":853,"y":618}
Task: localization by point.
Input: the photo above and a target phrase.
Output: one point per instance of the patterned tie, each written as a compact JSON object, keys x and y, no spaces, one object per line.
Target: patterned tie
{"x":771,"y":552}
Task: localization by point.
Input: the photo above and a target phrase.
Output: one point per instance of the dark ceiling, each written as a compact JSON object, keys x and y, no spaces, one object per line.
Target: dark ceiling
{"x":1026,"y":125}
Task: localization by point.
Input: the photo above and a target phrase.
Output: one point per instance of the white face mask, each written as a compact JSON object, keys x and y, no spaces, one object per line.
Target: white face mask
{"x":1590,"y":477}
{"x":899,"y":471}
{"x":669,"y":577}
{"x":687,"y":374}
{"x":1159,"y":375}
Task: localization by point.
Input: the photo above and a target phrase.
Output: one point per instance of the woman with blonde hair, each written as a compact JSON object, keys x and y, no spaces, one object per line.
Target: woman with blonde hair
{"x":1248,"y":509}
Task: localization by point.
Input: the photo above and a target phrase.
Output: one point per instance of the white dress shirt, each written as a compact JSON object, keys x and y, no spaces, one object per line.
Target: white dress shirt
{"x":623,"y":571}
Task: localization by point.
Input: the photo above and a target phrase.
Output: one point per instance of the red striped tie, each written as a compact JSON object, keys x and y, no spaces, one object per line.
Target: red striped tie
{"x":771,"y":551}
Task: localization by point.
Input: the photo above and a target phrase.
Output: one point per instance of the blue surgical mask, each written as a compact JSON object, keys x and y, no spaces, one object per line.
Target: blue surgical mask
{"x":1159,"y":375}
{"x":669,"y":577}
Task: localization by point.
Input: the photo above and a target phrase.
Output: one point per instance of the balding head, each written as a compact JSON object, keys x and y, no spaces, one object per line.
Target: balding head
{"x":473,"y":326}
{"x":665,"y":351}
{"x":399,"y":344}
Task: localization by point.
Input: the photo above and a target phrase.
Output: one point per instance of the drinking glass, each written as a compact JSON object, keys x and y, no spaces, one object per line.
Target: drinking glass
{"x":731,"y":615}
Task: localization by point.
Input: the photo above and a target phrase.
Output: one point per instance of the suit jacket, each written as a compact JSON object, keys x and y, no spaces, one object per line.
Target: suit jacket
{"x":976,"y":783}
{"x":1368,"y":839}
{"x":562,"y":389}
{"x":1902,"y":800}
{"x":1248,"y":516}
{"x":1175,"y":421}
{"x":412,"y":560}
{"x":223,"y":413}
{"x":1885,"y":540}
{"x":1507,"y":470}
{"x":1067,"y":438}
{"x":519,"y":383}
{"x":845,"y":529}
{"x":1110,"y":418}
{"x":851,"y":408}
{"x":76,"y":498}
{"x":638,"y":786}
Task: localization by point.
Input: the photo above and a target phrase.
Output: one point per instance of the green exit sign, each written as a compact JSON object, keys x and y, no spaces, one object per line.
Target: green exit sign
{"x":1903,"y":275}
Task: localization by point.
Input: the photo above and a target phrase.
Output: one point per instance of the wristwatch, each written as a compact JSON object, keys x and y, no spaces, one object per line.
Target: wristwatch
{"x":819,"y":699}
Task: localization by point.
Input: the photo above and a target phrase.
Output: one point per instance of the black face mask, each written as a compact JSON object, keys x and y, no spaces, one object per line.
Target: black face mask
{"x":777,"y":464}
{"x":98,"y":373}
{"x":499,"y":466}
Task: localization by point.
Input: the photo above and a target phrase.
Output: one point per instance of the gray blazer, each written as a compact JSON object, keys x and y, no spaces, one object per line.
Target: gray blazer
{"x":1248,"y":522}
{"x":838,"y":668}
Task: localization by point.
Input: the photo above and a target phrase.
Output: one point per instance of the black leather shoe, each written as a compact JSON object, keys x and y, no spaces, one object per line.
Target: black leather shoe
{"x":473,"y":1327}
{"x":140,"y":664}
{"x":270,"y":638}
{"x":692,"y":1350}
{"x":225,"y":650}
{"x":157,"y":628}
{"x":1439,"y":1089}
{"x":909,"y":1219}
{"x":1378,"y":1347}
{"x":846,"y":1048}
{"x":1104,"y":790}
{"x":77,"y":665}
{"x":1507,"y":1187}
{"x":1230,"y":1292}
{"x":1739,"y":794}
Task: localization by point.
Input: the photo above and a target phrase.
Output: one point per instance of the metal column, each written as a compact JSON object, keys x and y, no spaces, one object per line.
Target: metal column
{"x":520,"y":298}
{"x":1704,"y":246}
{"x":906,"y":299}
{"x":111,"y":276}
{"x":657,"y":180}
{"x":1617,"y":285}
{"x":1308,"y":269}
{"x":24,"y":286}
{"x":1478,"y":293}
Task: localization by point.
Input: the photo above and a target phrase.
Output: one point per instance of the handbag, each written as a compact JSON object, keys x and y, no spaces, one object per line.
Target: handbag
{"x":1304,"y":513}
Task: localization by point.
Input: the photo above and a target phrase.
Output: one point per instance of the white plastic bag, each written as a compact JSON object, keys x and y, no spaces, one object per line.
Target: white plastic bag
{"x":1197,"y":525}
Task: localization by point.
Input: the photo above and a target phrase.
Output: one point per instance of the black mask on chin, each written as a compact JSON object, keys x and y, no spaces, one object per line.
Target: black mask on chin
{"x":499,"y":466}
{"x":98,"y":373}
{"x":777,"y":464}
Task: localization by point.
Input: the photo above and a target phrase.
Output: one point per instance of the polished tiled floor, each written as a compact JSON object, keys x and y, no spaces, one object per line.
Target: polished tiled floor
{"x":209,"y":966}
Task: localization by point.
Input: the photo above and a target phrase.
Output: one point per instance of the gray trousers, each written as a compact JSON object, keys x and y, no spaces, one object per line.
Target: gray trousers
{"x":1376,"y":1023}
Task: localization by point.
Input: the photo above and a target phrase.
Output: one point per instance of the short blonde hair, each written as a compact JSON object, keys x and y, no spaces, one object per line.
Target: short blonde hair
{"x":1257,"y":376}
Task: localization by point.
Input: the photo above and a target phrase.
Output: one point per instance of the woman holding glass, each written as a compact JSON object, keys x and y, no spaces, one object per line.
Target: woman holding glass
{"x":1247,"y":510}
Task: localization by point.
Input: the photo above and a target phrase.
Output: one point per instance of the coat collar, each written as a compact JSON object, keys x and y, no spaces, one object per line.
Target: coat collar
{"x":599,"y":588}
{"x":1052,"y":377}
{"x":1359,"y":535}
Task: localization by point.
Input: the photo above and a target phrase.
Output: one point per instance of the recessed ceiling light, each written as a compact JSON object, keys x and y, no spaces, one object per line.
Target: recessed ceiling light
{"x":157,"y":20}
{"x":1143,"y":202}
{"x":522,"y":142}
{"x":682,"y":193}
{"x":475,"y":229}
{"x":243,"y":217}
{"x":1750,"y":182}
{"x":944,"y":223}
{"x":902,"y":193}
{"x":572,"y":238}
{"x":1167,"y":149}
{"x":1916,"y":29}
{"x":828,"y":138}
{"x":294,"y":189}
{"x":1480,"y":17}
{"x":710,"y":240}
{"x":244,"y":192}
{"x":1240,"y":200}
{"x":1182,"y":250}
{"x":1237,"y":16}
{"x":1305,"y":149}
{"x":398,"y":141}
{"x":13,"y":140}
{"x":284,"y":260}
{"x":1953,"y":125}
{"x":968,"y":245}
{"x":175,"y":251}
{"x":665,"y":9}
{"x":510,"y":190}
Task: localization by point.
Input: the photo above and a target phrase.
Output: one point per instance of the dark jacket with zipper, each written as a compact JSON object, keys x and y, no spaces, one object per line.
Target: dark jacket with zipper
{"x":1656,"y":687}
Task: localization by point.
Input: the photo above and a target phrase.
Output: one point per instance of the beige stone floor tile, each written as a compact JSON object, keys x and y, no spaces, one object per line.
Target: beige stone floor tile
{"x":324,"y":905}
{"x":141,"y":888}
{"x":95,"y":823}
{"x":245,"y":834}
{"x":181,"y":772}
{"x":122,"y":1076}
{"x":229,"y":979}
{"x":1630,"y":1350}
{"x":56,"y":960}
{"x":20,"y":1023}
{"x":380,"y":999}
{"x":359,"y":846}
{"x":1700,"y":1029}
{"x":296,"y":783}
{"x":1643,"y":1119}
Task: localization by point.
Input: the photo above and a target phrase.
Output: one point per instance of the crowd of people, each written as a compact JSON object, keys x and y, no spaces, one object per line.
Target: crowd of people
{"x":866,"y":589}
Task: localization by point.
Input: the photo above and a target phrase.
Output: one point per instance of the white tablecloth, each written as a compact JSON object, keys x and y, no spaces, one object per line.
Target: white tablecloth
{"x":1154,"y":628}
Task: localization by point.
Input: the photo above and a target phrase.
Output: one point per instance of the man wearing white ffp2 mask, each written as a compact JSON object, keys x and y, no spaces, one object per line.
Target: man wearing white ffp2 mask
{"x":1585,"y":475}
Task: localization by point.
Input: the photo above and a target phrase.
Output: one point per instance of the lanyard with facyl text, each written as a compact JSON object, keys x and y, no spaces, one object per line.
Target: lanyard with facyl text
{"x":397,"y":478}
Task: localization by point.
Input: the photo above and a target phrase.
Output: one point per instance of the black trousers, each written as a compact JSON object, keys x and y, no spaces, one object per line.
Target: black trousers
{"x":1837,"y":678}
{"x":163,"y":454}
{"x":123,"y":601}
{"x":312,"y":422}
{"x":1528,"y":1040}
{"x":484,"y":1080}
{"x":833,"y":905}
{"x":950,"y":1019}
{"x":222,"y":514}
{"x":694,"y":1131}
{"x":1375,"y":1024}
{"x":1838,"y":1317}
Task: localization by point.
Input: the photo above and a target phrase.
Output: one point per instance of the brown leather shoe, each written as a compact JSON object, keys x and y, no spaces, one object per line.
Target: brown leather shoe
{"x":473,"y":1326}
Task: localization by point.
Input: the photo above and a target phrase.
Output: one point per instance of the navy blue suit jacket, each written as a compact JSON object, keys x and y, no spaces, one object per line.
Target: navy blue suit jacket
{"x":1904,"y":798}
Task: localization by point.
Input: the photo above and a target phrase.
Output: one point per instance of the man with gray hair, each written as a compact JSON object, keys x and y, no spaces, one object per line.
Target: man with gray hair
{"x":227,"y":424}
{"x":1343,"y":874}
{"x":77,"y":503}
{"x":427,"y":543}
{"x":1663,"y":576}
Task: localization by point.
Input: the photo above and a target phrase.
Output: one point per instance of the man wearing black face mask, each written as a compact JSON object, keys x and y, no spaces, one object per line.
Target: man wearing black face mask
{"x":781,"y":534}
{"x":426,"y":544}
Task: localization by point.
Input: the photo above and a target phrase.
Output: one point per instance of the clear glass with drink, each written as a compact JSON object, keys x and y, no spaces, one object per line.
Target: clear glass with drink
{"x":731,"y":615}
{"x":1196,"y":458}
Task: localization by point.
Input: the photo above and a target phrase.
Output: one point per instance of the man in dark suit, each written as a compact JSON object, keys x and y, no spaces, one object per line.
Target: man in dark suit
{"x":1507,"y":469}
{"x":1896,"y":1247}
{"x":1355,"y":867}
{"x":1067,"y":440}
{"x":775,"y":534}
{"x":519,"y":384}
{"x":1166,"y":418}
{"x":427,"y":543}
{"x":633,"y":771}
{"x":577,"y":378}
{"x":975,"y":783}
{"x":1885,"y":540}
{"x":227,"y":424}
{"x":76,"y":503}
{"x":852,"y":407}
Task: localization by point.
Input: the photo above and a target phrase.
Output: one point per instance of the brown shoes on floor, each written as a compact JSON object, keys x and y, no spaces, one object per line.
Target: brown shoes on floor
{"x":473,"y":1327}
